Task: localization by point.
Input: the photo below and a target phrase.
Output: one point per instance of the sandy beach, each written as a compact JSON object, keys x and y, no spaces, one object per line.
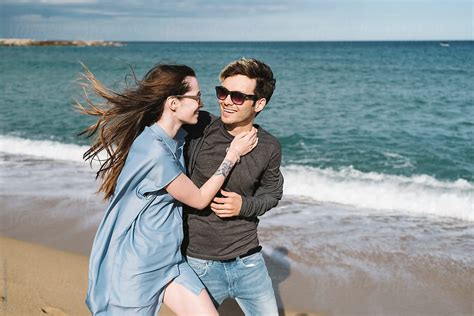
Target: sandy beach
{"x":37,"y":280}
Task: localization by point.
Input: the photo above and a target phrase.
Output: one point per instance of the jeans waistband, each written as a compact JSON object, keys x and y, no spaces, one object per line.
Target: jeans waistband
{"x":248,"y":253}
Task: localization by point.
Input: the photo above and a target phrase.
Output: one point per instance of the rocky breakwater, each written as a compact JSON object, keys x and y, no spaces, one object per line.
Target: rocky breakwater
{"x":30,"y":42}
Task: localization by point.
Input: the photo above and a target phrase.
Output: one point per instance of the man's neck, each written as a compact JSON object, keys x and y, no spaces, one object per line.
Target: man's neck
{"x":235,"y":129}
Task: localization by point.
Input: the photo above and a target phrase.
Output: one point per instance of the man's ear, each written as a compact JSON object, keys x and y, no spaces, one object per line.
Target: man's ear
{"x":260,"y":104}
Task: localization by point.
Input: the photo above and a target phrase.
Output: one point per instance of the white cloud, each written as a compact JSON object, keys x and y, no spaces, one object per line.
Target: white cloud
{"x":30,"y":18}
{"x":65,"y":2}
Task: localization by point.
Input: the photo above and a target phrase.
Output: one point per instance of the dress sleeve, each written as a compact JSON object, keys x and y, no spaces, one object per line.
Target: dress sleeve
{"x":164,"y":169}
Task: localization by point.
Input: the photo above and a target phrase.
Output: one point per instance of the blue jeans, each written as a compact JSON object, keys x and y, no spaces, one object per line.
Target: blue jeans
{"x":245,"y":279}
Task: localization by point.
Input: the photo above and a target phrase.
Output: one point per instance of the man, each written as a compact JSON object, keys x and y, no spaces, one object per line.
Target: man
{"x":221,"y":242}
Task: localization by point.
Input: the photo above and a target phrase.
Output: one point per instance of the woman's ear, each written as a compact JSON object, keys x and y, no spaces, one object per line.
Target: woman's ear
{"x":171,"y":103}
{"x":173,"y":106}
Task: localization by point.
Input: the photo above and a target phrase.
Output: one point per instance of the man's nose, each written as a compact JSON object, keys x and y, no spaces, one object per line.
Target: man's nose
{"x":228,"y":100}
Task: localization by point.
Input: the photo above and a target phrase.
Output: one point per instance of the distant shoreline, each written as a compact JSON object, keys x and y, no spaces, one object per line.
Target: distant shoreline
{"x":31,"y":42}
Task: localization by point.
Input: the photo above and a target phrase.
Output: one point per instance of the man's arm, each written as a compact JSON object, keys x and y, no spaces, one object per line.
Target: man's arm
{"x":267,"y":195}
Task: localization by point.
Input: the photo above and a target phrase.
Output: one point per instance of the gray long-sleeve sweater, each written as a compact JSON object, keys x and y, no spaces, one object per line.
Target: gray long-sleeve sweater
{"x":257,"y":178}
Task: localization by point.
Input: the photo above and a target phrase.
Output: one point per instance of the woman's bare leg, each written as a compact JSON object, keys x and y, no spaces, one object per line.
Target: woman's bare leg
{"x":185,"y":303}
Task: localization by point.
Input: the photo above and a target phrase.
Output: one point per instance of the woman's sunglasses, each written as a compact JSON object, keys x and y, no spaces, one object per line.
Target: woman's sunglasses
{"x":194,"y":97}
{"x":237,"y":97}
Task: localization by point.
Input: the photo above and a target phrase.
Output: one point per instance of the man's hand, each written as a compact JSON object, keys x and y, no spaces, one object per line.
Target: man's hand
{"x":227,"y":206}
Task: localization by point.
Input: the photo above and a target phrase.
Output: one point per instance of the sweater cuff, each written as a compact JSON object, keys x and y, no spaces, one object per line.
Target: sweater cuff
{"x":245,"y":209}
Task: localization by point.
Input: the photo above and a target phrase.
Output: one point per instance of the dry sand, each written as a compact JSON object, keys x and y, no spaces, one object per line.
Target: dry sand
{"x":37,"y":280}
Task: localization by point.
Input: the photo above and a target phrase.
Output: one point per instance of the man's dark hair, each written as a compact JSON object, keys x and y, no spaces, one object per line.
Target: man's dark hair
{"x":254,"y":69}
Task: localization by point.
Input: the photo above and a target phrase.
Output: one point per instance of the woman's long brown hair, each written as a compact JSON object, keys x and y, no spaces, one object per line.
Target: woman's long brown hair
{"x":123,"y":115}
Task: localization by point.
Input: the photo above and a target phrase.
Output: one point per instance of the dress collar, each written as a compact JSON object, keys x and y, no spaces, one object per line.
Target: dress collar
{"x":172,"y":143}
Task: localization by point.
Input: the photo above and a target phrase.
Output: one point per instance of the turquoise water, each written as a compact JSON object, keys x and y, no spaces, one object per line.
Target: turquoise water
{"x":398,"y":107}
{"x":351,"y":111}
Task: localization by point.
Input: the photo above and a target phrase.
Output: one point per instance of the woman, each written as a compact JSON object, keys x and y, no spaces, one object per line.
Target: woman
{"x":136,"y":263}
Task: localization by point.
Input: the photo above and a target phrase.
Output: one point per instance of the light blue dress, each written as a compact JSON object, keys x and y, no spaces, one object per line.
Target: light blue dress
{"x":136,"y":250}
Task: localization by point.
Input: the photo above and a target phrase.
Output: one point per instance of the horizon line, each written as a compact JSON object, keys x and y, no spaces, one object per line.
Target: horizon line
{"x":246,"y":41}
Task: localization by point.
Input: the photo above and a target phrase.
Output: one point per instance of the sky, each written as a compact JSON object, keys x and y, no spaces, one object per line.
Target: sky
{"x":237,"y":20}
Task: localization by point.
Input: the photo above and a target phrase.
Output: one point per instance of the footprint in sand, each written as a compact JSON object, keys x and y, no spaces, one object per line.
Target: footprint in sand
{"x":53,"y":311}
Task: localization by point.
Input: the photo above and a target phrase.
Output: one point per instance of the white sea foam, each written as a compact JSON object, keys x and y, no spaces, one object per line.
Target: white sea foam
{"x":418,"y":194}
{"x":42,"y":149}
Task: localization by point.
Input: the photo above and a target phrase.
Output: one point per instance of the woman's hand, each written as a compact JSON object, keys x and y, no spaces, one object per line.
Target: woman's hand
{"x":243,"y":143}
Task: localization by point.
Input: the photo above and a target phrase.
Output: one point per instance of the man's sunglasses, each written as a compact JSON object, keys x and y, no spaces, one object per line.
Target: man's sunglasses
{"x":237,"y":97}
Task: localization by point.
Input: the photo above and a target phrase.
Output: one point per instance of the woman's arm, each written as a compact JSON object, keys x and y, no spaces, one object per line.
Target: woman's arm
{"x":185,"y":191}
